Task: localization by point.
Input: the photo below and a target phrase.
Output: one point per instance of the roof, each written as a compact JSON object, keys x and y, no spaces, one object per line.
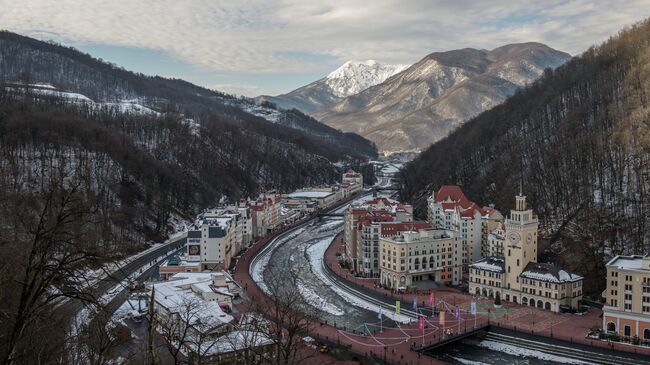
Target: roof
{"x":178,"y":296}
{"x":633,"y":262}
{"x":548,"y":272}
{"x":230,"y":342}
{"x":492,"y":263}
{"x":451,"y":193}
{"x":310,"y":194}
{"x":394,"y":228}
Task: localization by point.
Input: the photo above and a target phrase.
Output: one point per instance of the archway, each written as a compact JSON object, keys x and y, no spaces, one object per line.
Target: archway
{"x":485,"y":292}
{"x":532,"y":302}
{"x":478,"y":291}
{"x":547,"y":306}
{"x":646,"y":334}
{"x":491,"y":293}
{"x":540,"y":304}
{"x":524,"y":301}
{"x":611,"y":327}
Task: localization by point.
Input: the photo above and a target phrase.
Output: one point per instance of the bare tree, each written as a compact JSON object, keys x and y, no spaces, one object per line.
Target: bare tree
{"x":47,"y":248}
{"x":285,"y":325}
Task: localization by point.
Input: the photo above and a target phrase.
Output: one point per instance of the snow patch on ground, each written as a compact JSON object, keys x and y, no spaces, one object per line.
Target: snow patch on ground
{"x":468,"y":362}
{"x":258,"y":267}
{"x":520,"y":351}
{"x":315,"y":253}
{"x":319,"y":302}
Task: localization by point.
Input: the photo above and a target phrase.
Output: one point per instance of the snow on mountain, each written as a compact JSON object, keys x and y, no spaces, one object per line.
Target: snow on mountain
{"x":355,"y":76}
{"x":428,"y":100}
{"x":349,"y":79}
{"x":132,"y":106}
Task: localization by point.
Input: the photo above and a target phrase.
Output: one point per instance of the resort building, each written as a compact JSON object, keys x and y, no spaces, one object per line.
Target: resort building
{"x":196,"y":307}
{"x":517,"y":276}
{"x":449,"y":209}
{"x":417,"y":255}
{"x":361,"y":238}
{"x":627,"y":297}
{"x":265,"y":213}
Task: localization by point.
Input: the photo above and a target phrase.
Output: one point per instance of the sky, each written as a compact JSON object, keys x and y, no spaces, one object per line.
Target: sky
{"x":253,"y":47}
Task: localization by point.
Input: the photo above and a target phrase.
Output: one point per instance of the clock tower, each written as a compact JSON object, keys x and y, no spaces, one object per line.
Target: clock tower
{"x":521,"y":242}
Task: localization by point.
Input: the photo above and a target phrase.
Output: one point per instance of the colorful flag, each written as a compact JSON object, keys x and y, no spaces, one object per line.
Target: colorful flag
{"x":415,"y":303}
{"x":442,"y":318}
{"x":473,"y":308}
{"x":421,"y":323}
{"x":397,"y":307}
{"x":431,"y":298}
{"x":457,"y":313}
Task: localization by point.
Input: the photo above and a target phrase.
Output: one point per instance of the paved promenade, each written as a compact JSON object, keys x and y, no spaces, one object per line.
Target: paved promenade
{"x":563,"y":326}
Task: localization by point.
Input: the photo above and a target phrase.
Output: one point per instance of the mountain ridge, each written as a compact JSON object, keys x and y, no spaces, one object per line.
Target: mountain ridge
{"x":403,"y":112}
{"x":348,"y":79}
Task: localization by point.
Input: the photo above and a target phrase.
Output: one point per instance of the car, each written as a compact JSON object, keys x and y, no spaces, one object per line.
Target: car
{"x":324,"y":349}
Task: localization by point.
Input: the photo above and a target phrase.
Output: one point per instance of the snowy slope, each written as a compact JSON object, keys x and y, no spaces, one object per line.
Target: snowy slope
{"x":131,"y":106}
{"x":349,"y":79}
{"x":355,"y":76}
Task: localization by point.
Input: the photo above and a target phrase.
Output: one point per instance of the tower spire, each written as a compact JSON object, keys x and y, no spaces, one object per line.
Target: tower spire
{"x":521,"y":187}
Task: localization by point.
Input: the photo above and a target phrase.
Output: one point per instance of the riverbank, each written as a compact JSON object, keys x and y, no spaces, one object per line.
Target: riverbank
{"x":571,"y":328}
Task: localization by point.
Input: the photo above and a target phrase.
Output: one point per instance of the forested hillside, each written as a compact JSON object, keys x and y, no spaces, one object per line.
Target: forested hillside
{"x":579,"y":139}
{"x":140,"y":171}
{"x":24,"y":59}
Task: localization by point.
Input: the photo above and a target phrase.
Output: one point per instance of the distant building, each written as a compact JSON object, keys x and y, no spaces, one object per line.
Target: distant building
{"x":265,"y":212}
{"x":627,"y":297}
{"x":517,"y":276}
{"x":420,"y":254}
{"x":353,"y":178}
{"x":311,"y":199}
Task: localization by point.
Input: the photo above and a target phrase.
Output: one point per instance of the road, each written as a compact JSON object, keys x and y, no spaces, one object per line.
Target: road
{"x":104,"y":285}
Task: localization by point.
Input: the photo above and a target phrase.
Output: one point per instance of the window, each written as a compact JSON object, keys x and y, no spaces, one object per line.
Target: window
{"x":628,"y":331}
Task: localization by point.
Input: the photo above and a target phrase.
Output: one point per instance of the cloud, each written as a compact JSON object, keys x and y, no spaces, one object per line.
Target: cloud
{"x":265,"y":37}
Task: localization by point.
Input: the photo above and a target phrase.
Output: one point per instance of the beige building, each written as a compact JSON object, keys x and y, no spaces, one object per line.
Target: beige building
{"x":449,"y":208}
{"x":627,"y":305}
{"x":361,"y":240}
{"x":419,"y":255}
{"x":517,"y":276}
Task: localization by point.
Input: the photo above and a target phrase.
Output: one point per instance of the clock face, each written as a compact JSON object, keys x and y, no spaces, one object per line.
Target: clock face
{"x":513,"y":237}
{"x":529,"y":239}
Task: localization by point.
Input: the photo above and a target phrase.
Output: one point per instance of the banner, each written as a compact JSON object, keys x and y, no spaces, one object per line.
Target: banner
{"x":473,"y":308}
{"x":457,"y":313}
{"x":397,"y":307}
{"x":415,"y":303}
{"x":442,"y":318}
{"x":421,"y":323}
{"x":431,"y":299}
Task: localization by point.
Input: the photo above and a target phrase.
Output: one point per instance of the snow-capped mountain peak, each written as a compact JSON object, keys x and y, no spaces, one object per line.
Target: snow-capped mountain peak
{"x":355,"y":76}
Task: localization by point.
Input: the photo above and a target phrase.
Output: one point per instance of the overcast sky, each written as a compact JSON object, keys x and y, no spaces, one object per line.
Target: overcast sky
{"x":254,"y":47}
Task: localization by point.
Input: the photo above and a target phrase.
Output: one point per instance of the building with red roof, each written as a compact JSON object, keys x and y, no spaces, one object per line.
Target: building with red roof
{"x":362,"y":227}
{"x":450,"y":209}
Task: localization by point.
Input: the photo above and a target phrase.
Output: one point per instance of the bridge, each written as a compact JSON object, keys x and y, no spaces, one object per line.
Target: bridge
{"x":443,"y":341}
